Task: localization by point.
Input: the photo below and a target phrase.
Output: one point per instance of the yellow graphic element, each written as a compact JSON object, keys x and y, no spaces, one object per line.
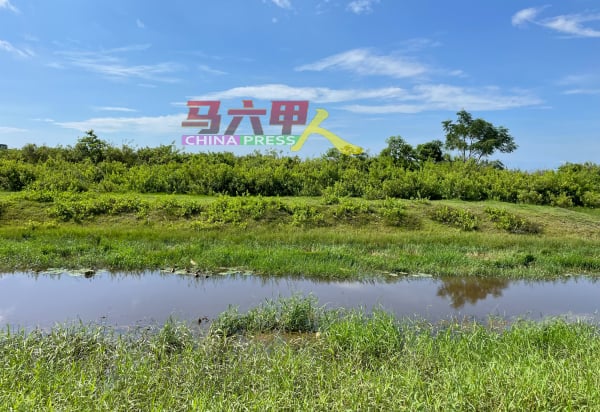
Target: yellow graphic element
{"x":314,"y":127}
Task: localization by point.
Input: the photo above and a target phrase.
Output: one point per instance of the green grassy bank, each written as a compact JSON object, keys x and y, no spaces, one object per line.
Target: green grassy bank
{"x":293,"y":355}
{"x":327,"y":237}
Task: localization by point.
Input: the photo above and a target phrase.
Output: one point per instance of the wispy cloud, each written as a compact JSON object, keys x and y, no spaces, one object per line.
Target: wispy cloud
{"x":114,"y":109}
{"x":582,"y":84}
{"x":447,"y":97}
{"x":8,"y":47}
{"x":365,"y":62}
{"x":5,"y":4}
{"x":284,"y":4}
{"x":110,"y":63}
{"x":209,"y":70}
{"x":571,"y":24}
{"x":524,"y":16}
{"x":314,"y":94}
{"x":583,"y":91}
{"x":140,"y":24}
{"x":7,"y":130}
{"x":157,"y":125}
{"x":361,"y":6}
{"x":419,"y":98}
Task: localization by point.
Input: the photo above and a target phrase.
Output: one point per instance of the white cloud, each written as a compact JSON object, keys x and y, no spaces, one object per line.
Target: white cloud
{"x":115,"y":109}
{"x":284,"y":4}
{"x":448,"y":97}
{"x":5,"y":4}
{"x":6,"y":130}
{"x":420,"y":98}
{"x":140,"y":24}
{"x":110,"y":64}
{"x":571,"y":24}
{"x":314,"y":94}
{"x":526,"y":15}
{"x":150,"y":125}
{"x":7,"y":46}
{"x":361,"y":6}
{"x":364,"y":62}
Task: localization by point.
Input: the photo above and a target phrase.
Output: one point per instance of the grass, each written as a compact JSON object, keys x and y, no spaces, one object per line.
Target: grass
{"x":350,"y":238}
{"x":295,"y":355}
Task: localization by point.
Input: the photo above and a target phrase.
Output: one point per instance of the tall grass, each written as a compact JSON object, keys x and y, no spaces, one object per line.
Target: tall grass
{"x":349,"y":361}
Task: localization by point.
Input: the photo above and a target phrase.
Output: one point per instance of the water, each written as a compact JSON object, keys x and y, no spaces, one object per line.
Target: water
{"x":124,"y":300}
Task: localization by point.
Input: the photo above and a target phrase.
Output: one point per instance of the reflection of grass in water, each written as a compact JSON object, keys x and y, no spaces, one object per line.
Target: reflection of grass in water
{"x":345,"y":238}
{"x":352,"y":361}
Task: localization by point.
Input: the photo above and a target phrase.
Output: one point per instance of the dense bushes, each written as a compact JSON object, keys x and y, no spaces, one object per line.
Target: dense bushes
{"x":93,"y":167}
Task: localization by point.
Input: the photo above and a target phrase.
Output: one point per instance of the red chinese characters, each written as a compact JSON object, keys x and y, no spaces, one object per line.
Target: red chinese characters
{"x":211,"y":121}
{"x":284,"y":113}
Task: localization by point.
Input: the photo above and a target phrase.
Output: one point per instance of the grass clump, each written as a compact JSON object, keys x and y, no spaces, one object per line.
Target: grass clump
{"x":365,"y":338}
{"x":292,"y":315}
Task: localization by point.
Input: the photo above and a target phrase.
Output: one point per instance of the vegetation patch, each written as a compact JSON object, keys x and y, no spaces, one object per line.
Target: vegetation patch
{"x":292,"y":315}
{"x":505,"y":220}
{"x":455,"y":217}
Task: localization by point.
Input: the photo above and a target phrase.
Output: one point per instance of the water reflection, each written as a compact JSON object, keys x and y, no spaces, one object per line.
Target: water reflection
{"x":471,"y":290}
{"x":152,"y":297}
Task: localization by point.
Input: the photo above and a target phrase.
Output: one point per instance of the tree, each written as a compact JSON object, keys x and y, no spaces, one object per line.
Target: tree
{"x":401,"y":153}
{"x":91,"y":147}
{"x":476,"y":138}
{"x":430,"y":151}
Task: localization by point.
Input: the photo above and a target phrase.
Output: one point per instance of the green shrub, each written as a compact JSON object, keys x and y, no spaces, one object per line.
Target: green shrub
{"x":460,"y":218}
{"x":349,"y":209}
{"x":591,"y":199}
{"x":77,"y":209}
{"x":510,"y":222}
{"x":329,"y":197}
{"x":305,"y":215}
{"x":561,"y":200}
{"x":180,"y":208}
{"x":530,"y":197}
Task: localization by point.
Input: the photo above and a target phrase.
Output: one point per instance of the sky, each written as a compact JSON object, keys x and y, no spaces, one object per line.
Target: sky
{"x":381,"y":68}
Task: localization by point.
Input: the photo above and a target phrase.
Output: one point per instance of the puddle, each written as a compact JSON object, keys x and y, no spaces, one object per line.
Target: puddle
{"x":125,"y":300}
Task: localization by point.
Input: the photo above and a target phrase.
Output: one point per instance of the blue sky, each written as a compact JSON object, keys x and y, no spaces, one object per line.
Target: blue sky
{"x":380,"y":67}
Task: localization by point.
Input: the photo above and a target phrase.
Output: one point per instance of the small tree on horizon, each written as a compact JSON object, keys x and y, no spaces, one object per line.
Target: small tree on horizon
{"x":476,"y":138}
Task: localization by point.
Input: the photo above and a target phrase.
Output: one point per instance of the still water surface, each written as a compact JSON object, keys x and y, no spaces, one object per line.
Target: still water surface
{"x":124,"y":300}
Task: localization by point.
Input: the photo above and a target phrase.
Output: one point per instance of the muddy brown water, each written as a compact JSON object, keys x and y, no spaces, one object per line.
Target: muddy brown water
{"x":125,"y":300}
